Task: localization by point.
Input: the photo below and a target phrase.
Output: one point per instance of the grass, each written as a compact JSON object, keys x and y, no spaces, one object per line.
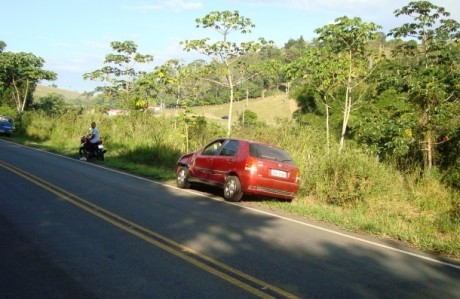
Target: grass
{"x":42,"y":91}
{"x":351,"y":190}
{"x":269,"y":110}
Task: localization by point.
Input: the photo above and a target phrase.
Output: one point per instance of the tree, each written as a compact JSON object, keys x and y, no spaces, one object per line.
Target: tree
{"x":2,"y":46}
{"x":430,"y":72}
{"x":294,"y":49}
{"x":225,"y":52}
{"x":322,"y":71}
{"x":19,"y":75}
{"x":52,"y":104}
{"x":248,"y":118}
{"x":119,"y":71}
{"x":349,"y":38}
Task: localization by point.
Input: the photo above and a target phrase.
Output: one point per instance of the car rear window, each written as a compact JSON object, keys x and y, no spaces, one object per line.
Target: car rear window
{"x":265,"y":152}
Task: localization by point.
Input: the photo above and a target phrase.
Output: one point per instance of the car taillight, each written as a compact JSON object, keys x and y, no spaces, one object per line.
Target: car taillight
{"x":297,"y":176}
{"x":251,"y":165}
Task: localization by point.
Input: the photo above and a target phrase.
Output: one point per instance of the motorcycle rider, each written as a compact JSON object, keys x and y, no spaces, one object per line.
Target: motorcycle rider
{"x":94,"y":139}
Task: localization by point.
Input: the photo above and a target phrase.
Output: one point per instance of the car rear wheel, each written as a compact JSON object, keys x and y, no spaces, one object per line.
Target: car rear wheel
{"x":232,"y":189}
{"x":182,"y":178}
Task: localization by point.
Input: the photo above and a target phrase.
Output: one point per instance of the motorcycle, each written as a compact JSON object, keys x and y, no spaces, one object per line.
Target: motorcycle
{"x":91,"y":150}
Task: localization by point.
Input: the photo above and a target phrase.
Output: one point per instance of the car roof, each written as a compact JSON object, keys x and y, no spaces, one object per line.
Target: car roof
{"x":245,"y":140}
{"x":5,"y":116}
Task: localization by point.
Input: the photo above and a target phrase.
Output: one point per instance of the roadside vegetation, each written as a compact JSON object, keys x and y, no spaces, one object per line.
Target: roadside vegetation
{"x":374,"y":129}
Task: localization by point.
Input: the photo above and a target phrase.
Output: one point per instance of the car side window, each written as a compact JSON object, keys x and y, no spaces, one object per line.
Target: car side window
{"x":230,"y":148}
{"x":212,"y":149}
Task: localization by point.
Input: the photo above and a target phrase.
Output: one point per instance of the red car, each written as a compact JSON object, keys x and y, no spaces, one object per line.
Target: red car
{"x":240,"y":167}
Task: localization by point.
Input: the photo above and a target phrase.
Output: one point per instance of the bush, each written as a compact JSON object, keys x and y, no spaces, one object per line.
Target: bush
{"x":8,"y":110}
{"x":248,"y":117}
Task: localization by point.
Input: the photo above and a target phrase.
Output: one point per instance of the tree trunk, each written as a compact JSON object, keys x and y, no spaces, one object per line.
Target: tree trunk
{"x":347,"y":106}
{"x":328,"y":144}
{"x":20,"y":99}
{"x":428,"y":151}
{"x":346,"y":116}
{"x":230,"y":108}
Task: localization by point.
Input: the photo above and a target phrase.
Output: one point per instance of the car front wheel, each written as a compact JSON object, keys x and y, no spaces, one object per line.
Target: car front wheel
{"x":232,"y":189}
{"x":182,"y":178}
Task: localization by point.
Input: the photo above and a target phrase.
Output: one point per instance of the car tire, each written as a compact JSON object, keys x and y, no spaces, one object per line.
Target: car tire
{"x":232,"y":189}
{"x":182,"y":178}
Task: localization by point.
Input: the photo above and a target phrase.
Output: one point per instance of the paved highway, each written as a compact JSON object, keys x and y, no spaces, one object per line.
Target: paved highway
{"x":72,"y":229}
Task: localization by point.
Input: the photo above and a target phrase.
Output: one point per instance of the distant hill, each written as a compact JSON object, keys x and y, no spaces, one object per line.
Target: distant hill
{"x":268,"y":109}
{"x":42,"y":91}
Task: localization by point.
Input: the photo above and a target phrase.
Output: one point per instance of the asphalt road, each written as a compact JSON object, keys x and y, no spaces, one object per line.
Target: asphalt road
{"x":72,"y":229}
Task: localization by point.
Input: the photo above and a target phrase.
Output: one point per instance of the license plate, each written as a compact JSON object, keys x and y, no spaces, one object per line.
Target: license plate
{"x":279,"y":173}
{"x":100,"y":146}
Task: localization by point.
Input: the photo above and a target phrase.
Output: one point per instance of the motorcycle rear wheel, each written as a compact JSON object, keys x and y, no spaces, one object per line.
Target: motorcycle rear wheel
{"x":100,"y":154}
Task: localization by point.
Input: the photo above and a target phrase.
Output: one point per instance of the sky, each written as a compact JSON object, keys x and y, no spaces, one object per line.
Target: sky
{"x":74,"y":36}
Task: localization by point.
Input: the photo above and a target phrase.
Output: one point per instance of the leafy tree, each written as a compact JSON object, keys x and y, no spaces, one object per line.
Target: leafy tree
{"x":51,"y":104}
{"x":2,"y":46}
{"x":386,"y":127}
{"x":248,"y":118}
{"x":321,"y":70}
{"x":119,"y":71}
{"x":225,"y":52}
{"x":294,"y":49}
{"x":348,"y":38}
{"x":431,"y":73}
{"x":271,"y":61}
{"x":19,"y":75}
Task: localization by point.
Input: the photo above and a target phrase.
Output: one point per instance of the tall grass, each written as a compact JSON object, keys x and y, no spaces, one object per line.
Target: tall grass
{"x":351,"y":189}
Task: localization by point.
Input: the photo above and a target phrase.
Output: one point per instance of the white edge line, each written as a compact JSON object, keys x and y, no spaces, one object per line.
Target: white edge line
{"x":261,"y":212}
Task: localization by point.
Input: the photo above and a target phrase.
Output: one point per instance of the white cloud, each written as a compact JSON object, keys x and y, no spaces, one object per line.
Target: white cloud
{"x":175,"y":5}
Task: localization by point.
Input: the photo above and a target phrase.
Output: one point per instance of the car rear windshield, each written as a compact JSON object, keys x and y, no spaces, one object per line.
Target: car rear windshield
{"x":265,"y":152}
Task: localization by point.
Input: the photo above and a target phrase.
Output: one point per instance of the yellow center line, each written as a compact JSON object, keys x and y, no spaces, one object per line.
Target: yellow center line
{"x":186,"y":253}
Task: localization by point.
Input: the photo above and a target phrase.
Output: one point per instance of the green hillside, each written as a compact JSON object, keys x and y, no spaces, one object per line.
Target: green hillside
{"x":42,"y":91}
{"x":268,"y":109}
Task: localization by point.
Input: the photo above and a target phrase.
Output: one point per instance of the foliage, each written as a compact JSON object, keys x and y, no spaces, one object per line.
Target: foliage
{"x":432,"y":72}
{"x":119,"y":73}
{"x":51,"y":104}
{"x":7,"y":110}
{"x":19,"y":75}
{"x":2,"y":46}
{"x":385,"y":126}
{"x":321,"y":71}
{"x":348,"y":38}
{"x":226,"y":55}
{"x":248,"y":118}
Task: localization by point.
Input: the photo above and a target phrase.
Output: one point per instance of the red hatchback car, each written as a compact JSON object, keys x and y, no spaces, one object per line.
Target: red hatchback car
{"x":240,"y":167}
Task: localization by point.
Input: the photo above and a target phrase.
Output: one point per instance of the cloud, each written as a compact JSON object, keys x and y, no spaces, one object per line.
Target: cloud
{"x":175,"y":5}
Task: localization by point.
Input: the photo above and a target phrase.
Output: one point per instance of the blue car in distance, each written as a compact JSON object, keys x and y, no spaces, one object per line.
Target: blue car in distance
{"x":6,"y":125}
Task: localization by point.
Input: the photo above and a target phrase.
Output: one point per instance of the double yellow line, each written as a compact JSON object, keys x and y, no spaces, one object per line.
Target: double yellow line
{"x":240,"y":279}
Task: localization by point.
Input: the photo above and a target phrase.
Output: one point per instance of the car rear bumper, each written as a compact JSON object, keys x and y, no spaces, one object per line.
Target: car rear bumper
{"x":269,"y":187}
